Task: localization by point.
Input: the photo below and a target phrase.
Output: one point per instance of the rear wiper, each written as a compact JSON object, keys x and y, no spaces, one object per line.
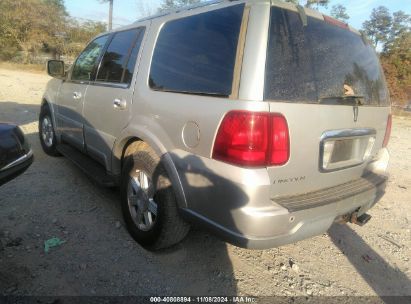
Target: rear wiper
{"x":354,"y":100}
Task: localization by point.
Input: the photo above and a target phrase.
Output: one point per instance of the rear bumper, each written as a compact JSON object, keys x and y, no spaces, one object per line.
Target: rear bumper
{"x":243,"y":214}
{"x":291,"y":227}
{"x":16,"y":168}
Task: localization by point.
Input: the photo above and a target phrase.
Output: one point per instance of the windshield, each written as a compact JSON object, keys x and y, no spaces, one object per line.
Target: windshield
{"x":320,"y":63}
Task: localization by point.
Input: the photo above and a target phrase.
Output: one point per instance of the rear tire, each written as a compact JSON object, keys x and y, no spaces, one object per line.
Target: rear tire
{"x":47,"y":134}
{"x":148,"y":201}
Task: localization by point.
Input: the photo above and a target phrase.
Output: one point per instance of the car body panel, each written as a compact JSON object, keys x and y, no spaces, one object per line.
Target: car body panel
{"x":237,"y":203}
{"x":307,"y":123}
{"x":69,"y":112}
{"x":15,"y":152}
{"x":104,"y":121}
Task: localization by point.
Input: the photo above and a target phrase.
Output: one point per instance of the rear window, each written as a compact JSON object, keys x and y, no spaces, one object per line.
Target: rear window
{"x":320,"y":63}
{"x":197,"y":54}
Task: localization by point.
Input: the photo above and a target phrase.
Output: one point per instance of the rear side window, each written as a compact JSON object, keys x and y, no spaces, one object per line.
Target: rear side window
{"x":118,"y":62}
{"x":197,"y":54}
{"x":315,"y":63}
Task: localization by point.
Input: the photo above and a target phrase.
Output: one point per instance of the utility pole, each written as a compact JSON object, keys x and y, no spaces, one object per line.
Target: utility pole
{"x":110,"y":13}
{"x":110,"y":16}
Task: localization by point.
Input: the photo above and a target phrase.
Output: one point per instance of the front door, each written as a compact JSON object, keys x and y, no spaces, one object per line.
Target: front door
{"x":70,"y":101}
{"x":108,"y":100}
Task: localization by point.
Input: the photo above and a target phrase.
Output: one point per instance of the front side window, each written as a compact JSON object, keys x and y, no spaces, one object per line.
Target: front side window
{"x":86,"y":62}
{"x":118,"y":62}
{"x":197,"y":54}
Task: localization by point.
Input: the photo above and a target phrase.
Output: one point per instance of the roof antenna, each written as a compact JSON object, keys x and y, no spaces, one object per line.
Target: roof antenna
{"x":303,"y":15}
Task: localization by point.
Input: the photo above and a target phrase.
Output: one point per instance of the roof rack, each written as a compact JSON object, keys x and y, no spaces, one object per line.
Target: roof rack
{"x":183,"y":9}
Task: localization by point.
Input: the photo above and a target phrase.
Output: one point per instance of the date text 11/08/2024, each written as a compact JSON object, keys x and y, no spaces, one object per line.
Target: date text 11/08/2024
{"x":203,"y":299}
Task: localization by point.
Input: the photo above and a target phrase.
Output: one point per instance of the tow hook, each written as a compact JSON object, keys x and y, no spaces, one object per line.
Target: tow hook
{"x":358,"y":220}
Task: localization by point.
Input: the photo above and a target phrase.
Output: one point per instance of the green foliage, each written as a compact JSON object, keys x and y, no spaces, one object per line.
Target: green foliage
{"x":378,"y":28}
{"x":29,"y":27}
{"x":317,"y":3}
{"x":78,"y":34}
{"x":57,"y":4}
{"x":383,"y":28}
{"x":340,"y":12}
{"x":310,"y":3}
{"x":27,"y":23}
{"x":401,"y":24}
{"x":392,"y":35}
{"x":397,"y":68}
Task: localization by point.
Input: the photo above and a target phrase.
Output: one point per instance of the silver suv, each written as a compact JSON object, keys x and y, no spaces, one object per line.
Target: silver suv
{"x":261,"y":120}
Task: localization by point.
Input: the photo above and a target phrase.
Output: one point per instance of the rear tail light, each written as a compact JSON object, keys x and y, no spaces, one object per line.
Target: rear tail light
{"x":252,"y":139}
{"x":387,"y":131}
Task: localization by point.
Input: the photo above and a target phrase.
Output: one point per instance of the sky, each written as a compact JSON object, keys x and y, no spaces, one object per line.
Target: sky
{"x":127,"y":11}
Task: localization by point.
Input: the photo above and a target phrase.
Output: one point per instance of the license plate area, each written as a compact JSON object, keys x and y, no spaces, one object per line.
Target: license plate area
{"x":341,"y":149}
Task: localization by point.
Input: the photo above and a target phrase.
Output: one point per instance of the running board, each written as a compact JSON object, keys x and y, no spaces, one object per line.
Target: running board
{"x":89,"y":166}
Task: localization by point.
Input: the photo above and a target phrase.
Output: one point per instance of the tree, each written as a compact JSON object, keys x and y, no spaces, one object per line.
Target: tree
{"x":28,"y":24}
{"x":57,"y":4}
{"x":78,"y":34}
{"x":55,"y":35}
{"x":396,"y":63}
{"x":28,"y":27}
{"x":340,"y":12}
{"x":311,"y":3}
{"x":173,"y":4}
{"x":383,"y":29}
{"x":317,"y":3}
{"x":379,"y":26}
{"x":110,"y":13}
{"x":401,"y":23}
{"x":146,"y":8}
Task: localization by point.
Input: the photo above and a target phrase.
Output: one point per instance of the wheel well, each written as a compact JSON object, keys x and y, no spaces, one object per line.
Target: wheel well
{"x":169,"y":166}
{"x":128,"y":148}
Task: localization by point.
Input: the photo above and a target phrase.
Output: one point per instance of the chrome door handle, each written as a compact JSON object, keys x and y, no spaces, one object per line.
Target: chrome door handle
{"x":76,"y":95}
{"x":119,"y":104}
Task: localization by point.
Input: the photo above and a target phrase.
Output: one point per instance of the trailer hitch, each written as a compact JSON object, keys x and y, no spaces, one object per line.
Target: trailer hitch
{"x":355,"y":219}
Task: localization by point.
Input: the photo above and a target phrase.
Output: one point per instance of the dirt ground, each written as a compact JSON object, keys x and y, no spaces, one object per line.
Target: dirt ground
{"x":55,"y":199}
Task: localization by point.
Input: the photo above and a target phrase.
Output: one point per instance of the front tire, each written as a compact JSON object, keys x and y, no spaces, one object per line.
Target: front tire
{"x":47,"y":134}
{"x":148,"y":201}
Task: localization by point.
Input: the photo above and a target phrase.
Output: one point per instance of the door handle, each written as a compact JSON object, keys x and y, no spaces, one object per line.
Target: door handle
{"x":119,"y":104}
{"x":76,"y":95}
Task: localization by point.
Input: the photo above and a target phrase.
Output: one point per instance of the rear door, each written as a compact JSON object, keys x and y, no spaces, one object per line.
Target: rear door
{"x":70,"y":100}
{"x":108,"y":100}
{"x":327,"y":81}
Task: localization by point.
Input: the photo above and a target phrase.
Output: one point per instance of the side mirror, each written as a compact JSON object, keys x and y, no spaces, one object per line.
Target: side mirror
{"x":55,"y":68}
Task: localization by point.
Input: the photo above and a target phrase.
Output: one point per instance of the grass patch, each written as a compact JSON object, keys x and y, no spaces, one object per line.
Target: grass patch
{"x":35,"y":68}
{"x":400,"y":112}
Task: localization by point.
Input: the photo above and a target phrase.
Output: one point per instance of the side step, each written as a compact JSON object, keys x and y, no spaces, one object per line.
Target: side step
{"x":89,"y":166}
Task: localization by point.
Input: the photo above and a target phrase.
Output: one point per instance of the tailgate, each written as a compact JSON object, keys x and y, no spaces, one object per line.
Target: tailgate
{"x":327,"y":81}
{"x":310,"y":127}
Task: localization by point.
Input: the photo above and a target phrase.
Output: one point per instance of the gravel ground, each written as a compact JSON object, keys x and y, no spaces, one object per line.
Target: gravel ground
{"x":54,"y":199}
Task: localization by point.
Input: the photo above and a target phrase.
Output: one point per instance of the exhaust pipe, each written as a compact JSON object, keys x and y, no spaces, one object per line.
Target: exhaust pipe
{"x":359,"y":220}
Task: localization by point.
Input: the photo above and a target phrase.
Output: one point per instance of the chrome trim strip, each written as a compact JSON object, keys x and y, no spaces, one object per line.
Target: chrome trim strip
{"x":342,"y":134}
{"x":18,"y":161}
{"x":347,"y":133}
